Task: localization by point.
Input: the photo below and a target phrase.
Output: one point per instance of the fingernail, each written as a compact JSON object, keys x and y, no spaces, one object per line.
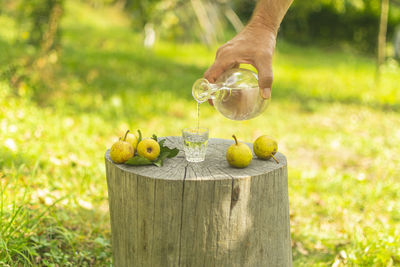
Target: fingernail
{"x":266,"y":93}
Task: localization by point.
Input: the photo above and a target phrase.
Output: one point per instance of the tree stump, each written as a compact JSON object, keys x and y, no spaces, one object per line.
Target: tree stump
{"x":200,"y":214}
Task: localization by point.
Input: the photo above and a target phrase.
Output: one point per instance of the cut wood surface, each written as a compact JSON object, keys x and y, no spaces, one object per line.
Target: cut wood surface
{"x":200,"y":214}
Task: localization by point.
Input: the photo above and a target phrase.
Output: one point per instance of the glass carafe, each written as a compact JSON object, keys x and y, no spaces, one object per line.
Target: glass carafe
{"x":236,"y":94}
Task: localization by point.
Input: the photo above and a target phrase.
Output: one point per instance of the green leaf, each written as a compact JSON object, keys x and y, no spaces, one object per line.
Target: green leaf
{"x":164,"y":148}
{"x":138,"y":161}
{"x":164,"y":155}
{"x":165,"y":152}
{"x":173,"y":152}
{"x":140,"y":136}
{"x":158,"y":163}
{"x":160,"y":160}
{"x":161,"y":143}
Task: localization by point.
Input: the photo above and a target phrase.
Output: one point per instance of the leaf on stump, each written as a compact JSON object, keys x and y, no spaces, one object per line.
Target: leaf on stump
{"x":138,"y":161}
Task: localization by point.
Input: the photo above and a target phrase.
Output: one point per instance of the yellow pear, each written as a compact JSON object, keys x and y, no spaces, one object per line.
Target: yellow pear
{"x":121,"y":150}
{"x":148,"y":148}
{"x":132,"y":139}
{"x":265,"y":147}
{"x":239,"y":155}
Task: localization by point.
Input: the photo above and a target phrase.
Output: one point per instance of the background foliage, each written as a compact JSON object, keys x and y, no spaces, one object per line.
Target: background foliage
{"x":330,"y":22}
{"x":353,"y":22}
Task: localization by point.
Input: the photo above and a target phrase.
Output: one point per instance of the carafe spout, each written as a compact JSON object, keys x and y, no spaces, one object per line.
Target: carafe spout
{"x":203,"y":90}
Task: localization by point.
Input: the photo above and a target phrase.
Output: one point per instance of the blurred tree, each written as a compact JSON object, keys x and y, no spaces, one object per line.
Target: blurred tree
{"x":354,"y":22}
{"x":203,"y":20}
{"x":141,"y":11}
{"x":382,"y":36}
{"x":41,"y":18}
{"x":396,"y":42}
{"x":38,"y":23}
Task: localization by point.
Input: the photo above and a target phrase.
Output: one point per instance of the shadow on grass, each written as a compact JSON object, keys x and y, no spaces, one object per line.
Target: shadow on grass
{"x":116,"y":83}
{"x":118,"y":71}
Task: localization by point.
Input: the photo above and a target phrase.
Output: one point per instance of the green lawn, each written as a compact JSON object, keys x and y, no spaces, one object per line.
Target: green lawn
{"x":339,"y":131}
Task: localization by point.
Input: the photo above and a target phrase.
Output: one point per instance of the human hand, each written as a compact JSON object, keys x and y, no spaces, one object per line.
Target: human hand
{"x":254,"y":45}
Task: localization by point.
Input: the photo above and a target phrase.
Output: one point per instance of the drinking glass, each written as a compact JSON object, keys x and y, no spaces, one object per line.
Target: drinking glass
{"x":195,"y":143}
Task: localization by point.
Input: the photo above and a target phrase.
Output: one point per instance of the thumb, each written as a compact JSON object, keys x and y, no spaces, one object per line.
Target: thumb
{"x":265,"y":79}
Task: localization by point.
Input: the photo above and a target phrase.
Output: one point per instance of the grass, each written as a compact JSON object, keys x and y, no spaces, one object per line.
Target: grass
{"x":340,"y":132}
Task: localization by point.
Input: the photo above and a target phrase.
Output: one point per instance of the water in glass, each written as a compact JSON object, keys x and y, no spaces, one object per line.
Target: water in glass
{"x":195,"y":143}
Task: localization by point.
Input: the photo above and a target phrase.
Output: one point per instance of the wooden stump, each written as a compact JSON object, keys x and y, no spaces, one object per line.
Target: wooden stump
{"x":200,"y":214}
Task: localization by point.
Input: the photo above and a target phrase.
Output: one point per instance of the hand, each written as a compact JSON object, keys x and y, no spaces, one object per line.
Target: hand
{"x":254,"y":45}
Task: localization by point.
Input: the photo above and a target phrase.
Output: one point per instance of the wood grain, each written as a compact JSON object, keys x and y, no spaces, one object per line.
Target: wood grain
{"x":200,"y":214}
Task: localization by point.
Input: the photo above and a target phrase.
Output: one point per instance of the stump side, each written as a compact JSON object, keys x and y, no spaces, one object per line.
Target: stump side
{"x":209,"y":214}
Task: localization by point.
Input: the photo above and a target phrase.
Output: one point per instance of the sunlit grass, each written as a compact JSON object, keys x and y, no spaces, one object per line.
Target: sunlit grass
{"x":340,"y":132}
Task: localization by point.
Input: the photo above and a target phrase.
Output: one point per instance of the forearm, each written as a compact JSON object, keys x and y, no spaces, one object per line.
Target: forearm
{"x":268,"y":14}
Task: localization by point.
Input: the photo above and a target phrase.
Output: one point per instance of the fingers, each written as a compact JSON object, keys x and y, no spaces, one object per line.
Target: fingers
{"x":265,"y":78}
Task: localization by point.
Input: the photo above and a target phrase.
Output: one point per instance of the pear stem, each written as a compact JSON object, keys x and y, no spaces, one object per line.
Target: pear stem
{"x":275,"y":159}
{"x":126,"y":135}
{"x":236,"y":141}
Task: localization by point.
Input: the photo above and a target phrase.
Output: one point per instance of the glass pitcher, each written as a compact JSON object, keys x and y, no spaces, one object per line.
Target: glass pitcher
{"x":236,"y":94}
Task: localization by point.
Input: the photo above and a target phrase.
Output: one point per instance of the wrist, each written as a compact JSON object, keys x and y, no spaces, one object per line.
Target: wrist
{"x":265,"y":35}
{"x":263,"y":24}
